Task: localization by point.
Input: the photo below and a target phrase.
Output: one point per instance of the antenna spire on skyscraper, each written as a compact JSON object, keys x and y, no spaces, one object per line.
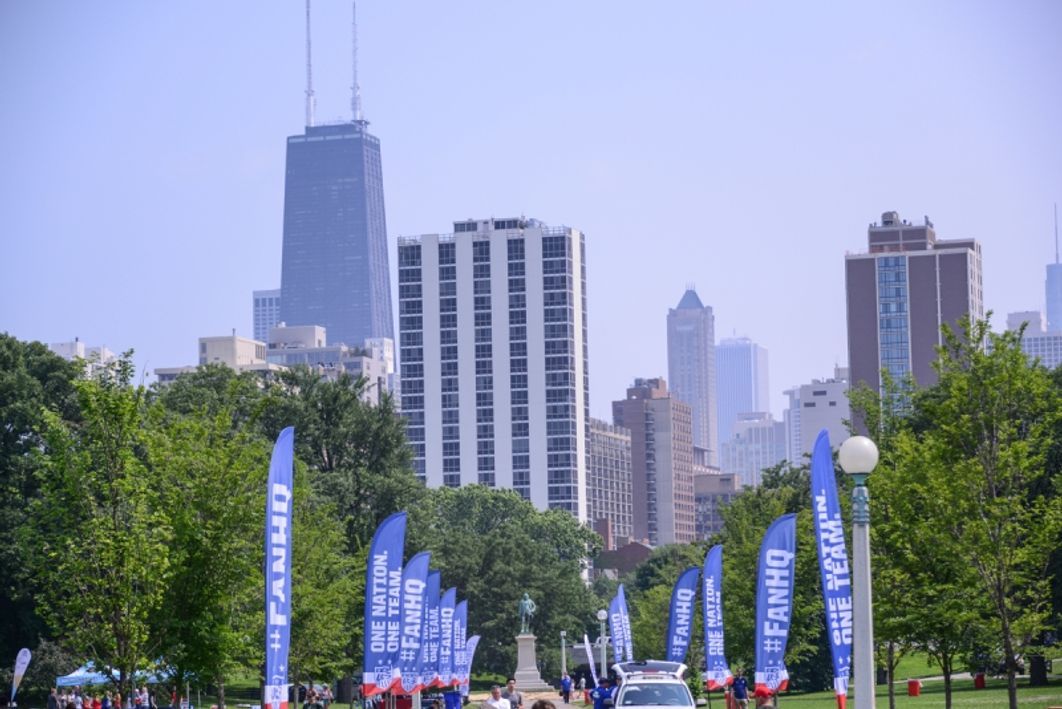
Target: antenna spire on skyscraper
{"x":355,"y":97}
{"x":310,"y":101}
{"x":1056,"y":232}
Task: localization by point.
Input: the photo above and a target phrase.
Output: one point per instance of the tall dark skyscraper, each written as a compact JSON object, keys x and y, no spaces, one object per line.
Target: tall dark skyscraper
{"x":334,"y":269}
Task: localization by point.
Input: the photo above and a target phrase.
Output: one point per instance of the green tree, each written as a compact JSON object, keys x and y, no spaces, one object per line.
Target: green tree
{"x":493,"y":546}
{"x":982,"y":464}
{"x":213,"y":479}
{"x":784,"y":489}
{"x":649,"y":618}
{"x":885,"y":416}
{"x":938,"y":606}
{"x":325,"y":592}
{"x":356,"y":450}
{"x":32,"y":381}
{"x":215,"y":388}
{"x":50,"y":660}
{"x":98,"y":537}
{"x":664,"y":565}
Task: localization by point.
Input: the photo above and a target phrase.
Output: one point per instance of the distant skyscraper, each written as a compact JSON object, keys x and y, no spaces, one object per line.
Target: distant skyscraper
{"x":609,"y":488}
{"x":1036,"y":343}
{"x":495,"y":386}
{"x":334,"y":270}
{"x":1043,"y":347}
{"x":691,"y":366}
{"x":742,"y":382}
{"x":1033,"y":320}
{"x":901,"y":293}
{"x":758,"y":443}
{"x":661,"y":429}
{"x":266,"y":312}
{"x":822,"y":404}
{"x":1053,"y":288}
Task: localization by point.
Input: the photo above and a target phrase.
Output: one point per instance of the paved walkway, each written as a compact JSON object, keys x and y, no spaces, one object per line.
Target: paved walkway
{"x":530,"y":698}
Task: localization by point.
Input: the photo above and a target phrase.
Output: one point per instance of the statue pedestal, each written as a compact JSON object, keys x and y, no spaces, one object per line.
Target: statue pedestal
{"x":527,"y":676}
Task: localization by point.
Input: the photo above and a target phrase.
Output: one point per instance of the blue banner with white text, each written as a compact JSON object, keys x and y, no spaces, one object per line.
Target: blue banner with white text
{"x":619,"y":621}
{"x":466,"y":668}
{"x":278,"y":571}
{"x":460,"y":633}
{"x":429,"y":648}
{"x":833,"y":563}
{"x":383,"y":605}
{"x":446,"y":637}
{"x":625,"y":617}
{"x":774,"y":604}
{"x":414,"y":588}
{"x":717,"y":669}
{"x":680,"y":623}
{"x":615,"y":625}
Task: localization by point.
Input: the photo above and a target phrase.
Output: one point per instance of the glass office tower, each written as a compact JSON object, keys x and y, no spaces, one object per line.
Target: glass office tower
{"x":334,"y":269}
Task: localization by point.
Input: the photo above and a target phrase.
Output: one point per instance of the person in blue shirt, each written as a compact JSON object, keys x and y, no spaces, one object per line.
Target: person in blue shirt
{"x":600,"y":693}
{"x":566,"y":688}
{"x":740,"y":689}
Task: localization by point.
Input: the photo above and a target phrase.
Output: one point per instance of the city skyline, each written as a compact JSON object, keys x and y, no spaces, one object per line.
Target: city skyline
{"x":146,"y":169}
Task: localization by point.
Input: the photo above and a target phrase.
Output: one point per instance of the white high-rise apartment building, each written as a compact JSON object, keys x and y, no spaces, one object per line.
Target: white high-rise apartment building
{"x":741,"y":382}
{"x":492,"y":345}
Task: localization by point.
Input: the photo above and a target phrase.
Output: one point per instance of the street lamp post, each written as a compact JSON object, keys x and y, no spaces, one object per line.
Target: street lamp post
{"x":858,"y":456}
{"x":602,"y":616}
{"x":564,"y":652}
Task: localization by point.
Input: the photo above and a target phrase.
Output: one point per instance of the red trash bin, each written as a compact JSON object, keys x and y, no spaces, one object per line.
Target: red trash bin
{"x":979,"y":680}
{"x":914,"y":687}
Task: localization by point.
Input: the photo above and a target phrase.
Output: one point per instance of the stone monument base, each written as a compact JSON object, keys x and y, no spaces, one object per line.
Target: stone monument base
{"x":527,"y":676}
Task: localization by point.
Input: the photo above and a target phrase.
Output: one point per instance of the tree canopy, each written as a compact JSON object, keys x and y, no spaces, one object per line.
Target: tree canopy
{"x":135,"y":518}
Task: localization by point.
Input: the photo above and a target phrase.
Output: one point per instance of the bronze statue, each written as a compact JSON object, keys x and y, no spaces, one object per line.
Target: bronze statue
{"x":527,"y":609}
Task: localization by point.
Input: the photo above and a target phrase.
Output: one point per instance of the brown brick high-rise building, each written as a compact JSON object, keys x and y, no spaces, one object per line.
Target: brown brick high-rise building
{"x":899,"y":295}
{"x":661,"y":462}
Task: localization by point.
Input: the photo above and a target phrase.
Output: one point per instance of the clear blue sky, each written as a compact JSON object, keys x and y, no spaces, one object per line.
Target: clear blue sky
{"x":743,"y":147}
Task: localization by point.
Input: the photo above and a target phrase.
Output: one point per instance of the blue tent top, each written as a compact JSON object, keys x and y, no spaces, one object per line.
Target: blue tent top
{"x":84,"y":675}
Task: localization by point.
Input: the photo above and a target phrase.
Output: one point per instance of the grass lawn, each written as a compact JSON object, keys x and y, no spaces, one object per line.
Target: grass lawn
{"x":964,"y":696}
{"x":916,"y":664}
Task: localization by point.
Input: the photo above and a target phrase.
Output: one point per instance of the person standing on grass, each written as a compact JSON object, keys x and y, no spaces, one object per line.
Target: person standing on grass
{"x":566,"y":688}
{"x":740,"y":689}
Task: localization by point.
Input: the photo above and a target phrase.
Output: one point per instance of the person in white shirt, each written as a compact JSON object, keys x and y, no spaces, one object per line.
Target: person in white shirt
{"x":496,"y":700}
